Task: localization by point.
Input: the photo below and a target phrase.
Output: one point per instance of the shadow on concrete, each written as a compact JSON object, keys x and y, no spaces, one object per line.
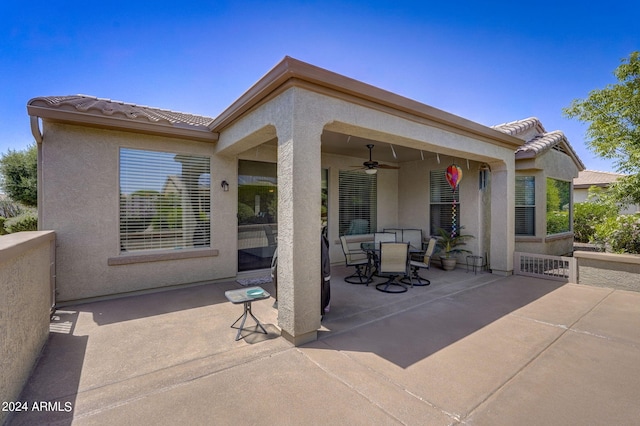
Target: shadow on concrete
{"x":433,"y":317}
{"x":159,"y":303}
{"x":50,"y":392}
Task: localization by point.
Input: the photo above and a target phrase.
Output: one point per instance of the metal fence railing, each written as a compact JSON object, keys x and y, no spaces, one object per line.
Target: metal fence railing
{"x":559,"y":268}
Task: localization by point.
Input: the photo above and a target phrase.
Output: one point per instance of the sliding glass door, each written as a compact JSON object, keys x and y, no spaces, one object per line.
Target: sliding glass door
{"x":257,"y":214}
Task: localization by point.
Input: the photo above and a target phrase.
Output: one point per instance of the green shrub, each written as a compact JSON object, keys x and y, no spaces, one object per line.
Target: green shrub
{"x":27,"y":221}
{"x":245,"y":214}
{"x":557,"y":222}
{"x":586,"y":216}
{"x":2,"y":230}
{"x":620,"y":234}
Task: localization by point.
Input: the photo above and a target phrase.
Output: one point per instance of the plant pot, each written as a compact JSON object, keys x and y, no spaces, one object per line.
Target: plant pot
{"x":448,"y":263}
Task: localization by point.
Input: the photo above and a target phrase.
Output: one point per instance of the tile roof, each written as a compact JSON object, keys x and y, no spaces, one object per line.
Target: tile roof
{"x":587,"y":178}
{"x":517,"y":127}
{"x":541,"y":142}
{"x":129,"y":111}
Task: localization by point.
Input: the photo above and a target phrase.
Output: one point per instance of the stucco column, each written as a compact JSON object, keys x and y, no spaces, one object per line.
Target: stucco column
{"x":502,"y":217}
{"x":299,"y":182}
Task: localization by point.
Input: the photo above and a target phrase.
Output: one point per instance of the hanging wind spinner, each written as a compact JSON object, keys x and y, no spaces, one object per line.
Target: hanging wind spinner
{"x":454,"y":176}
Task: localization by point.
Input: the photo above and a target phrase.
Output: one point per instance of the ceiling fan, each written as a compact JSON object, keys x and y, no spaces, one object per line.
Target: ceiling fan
{"x":371,"y":167}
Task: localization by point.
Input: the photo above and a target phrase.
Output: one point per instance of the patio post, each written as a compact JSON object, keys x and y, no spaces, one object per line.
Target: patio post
{"x":299,"y":183}
{"x":502,"y":224}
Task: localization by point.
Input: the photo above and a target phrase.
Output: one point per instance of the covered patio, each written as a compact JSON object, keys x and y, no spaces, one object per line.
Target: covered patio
{"x":479,"y":349}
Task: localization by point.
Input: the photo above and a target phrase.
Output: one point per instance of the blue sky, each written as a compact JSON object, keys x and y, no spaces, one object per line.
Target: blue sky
{"x":491,"y":62}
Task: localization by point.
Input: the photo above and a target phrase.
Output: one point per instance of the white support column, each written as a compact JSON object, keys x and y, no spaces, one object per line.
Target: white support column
{"x":502,"y":217}
{"x":299,"y":182}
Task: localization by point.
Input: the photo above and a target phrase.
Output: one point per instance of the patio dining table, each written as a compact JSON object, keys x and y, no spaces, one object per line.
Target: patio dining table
{"x":373,"y":250}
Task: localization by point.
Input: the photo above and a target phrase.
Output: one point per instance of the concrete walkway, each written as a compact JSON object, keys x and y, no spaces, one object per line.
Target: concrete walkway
{"x":468,"y":349}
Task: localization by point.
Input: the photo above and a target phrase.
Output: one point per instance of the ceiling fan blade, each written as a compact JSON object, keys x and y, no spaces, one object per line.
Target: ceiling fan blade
{"x":386,"y":166}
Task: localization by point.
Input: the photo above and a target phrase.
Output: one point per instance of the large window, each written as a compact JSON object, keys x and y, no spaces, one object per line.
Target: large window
{"x":164,"y":200}
{"x":358,"y":194}
{"x":441,"y":203}
{"x":558,"y":206}
{"x":525,"y":205}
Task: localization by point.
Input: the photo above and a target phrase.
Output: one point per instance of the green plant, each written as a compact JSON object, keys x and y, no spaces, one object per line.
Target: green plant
{"x":451,"y":245}
{"x":587,"y":216}
{"x":19,"y":175}
{"x":620,"y":234}
{"x":27,"y":221}
{"x":557,"y":222}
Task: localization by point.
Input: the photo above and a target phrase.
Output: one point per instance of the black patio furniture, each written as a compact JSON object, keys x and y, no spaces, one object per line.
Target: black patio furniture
{"x":357,"y":258}
{"x":420,"y":261}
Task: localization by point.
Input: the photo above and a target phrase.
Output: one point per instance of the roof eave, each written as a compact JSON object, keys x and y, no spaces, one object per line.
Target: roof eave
{"x":202,"y":134}
{"x":293,"y":72}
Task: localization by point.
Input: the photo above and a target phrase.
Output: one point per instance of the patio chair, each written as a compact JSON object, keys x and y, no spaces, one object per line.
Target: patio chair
{"x":422,"y":262}
{"x":358,"y":259}
{"x":384,"y":237}
{"x":394,"y":262}
{"x":413,"y":237}
{"x":396,"y":231}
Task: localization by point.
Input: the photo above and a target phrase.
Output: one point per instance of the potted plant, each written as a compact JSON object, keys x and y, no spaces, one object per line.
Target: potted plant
{"x":450,"y":246}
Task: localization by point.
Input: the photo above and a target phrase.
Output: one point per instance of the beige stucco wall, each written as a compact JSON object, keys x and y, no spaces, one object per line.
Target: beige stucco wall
{"x":80,"y":191}
{"x":556,"y":165}
{"x":84,"y":161}
{"x":619,"y":271}
{"x":25,"y":286}
{"x":414,"y":199}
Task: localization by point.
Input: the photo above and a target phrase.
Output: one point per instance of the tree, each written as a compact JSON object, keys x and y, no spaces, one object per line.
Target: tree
{"x":613,"y":114}
{"x":19,"y":173}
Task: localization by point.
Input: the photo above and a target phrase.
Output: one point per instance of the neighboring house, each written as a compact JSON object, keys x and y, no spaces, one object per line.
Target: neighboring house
{"x":287,"y":151}
{"x":545,"y":167}
{"x":592,"y":178}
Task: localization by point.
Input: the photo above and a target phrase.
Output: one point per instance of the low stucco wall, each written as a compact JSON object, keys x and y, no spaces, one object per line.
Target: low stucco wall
{"x":25,"y":285}
{"x":619,"y":271}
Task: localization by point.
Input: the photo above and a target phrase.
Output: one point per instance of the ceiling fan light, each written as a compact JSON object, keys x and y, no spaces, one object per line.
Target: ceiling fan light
{"x":371,"y":171}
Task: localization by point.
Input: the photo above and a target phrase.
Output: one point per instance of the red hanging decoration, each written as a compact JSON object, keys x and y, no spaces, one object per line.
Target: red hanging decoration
{"x":454,"y":176}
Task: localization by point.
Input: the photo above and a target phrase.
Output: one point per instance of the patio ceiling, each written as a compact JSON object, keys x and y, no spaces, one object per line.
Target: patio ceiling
{"x":355,"y":146}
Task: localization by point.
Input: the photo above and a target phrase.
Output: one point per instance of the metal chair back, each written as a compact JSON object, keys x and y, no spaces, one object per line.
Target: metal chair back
{"x":384,"y":237}
{"x":394,"y":258}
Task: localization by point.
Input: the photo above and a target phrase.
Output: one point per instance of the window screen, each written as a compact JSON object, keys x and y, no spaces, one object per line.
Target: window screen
{"x":358,"y":199}
{"x":164,"y":200}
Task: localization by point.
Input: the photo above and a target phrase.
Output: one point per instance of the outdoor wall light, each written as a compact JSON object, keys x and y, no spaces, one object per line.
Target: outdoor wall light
{"x":225,"y":186}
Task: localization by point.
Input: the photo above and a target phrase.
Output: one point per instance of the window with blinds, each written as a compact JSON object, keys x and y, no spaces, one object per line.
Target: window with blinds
{"x":441,"y":202}
{"x":525,"y":205}
{"x":358,"y":199}
{"x":164,"y":200}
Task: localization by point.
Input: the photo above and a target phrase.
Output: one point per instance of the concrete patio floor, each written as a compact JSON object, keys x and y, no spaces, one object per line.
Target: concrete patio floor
{"x":468,"y":349}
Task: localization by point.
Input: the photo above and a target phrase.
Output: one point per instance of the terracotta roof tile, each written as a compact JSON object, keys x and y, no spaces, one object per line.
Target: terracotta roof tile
{"x":108,"y":107}
{"x":517,"y":127}
{"x":542,"y":143}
